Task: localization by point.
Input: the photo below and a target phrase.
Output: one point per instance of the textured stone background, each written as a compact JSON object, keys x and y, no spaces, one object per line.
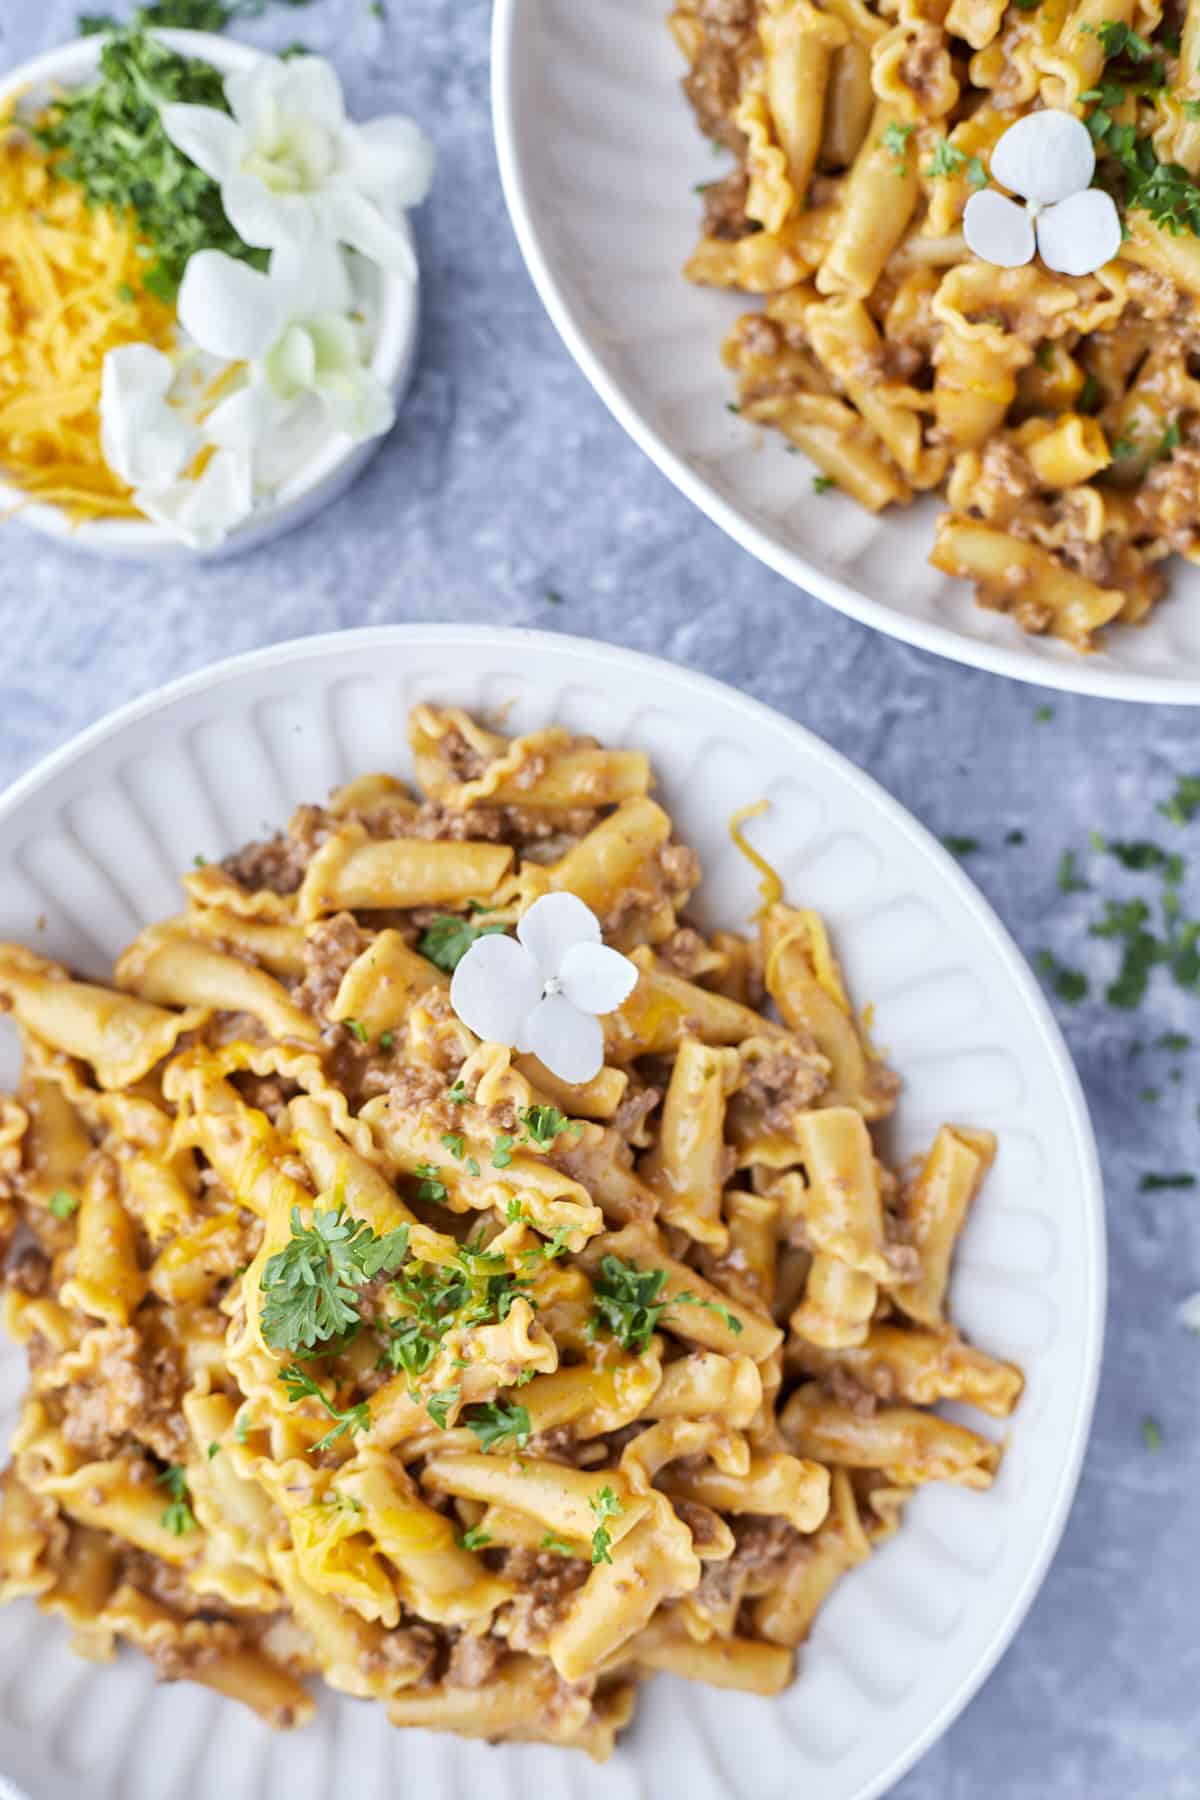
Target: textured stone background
{"x":506,"y":479}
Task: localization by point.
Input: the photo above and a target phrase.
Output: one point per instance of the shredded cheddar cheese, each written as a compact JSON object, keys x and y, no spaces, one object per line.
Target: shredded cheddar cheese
{"x":770,"y":887}
{"x":70,"y":291}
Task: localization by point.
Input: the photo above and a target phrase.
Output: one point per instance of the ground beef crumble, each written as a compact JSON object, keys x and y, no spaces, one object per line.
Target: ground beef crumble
{"x":135,"y":1392}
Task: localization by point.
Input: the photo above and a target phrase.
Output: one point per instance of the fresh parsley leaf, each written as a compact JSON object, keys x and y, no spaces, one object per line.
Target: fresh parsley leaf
{"x":356,"y":1028}
{"x":946,"y":159}
{"x":455,"y":1143}
{"x":1191,"y":109}
{"x":1016,"y":836}
{"x":961,"y":846}
{"x":1044,"y":357}
{"x":1171,"y":439}
{"x":1175,"y":1041}
{"x":1069,"y":879}
{"x":301,"y":1386}
{"x":243,"y":1427}
{"x":1071,"y":985}
{"x":387,"y":1040}
{"x":1043,"y":714}
{"x":542,"y":1123}
{"x":515,"y":1213}
{"x":498,"y":1424}
{"x":1152,"y":1435}
{"x":605,"y":1505}
{"x":895,"y":139}
{"x":430,"y":1186}
{"x":438,"y":1405}
{"x":977,"y":175}
{"x":471,"y":1166}
{"x":212,"y":1451}
{"x":1089,"y":393}
{"x":62,"y":1204}
{"x":626,"y":1302}
{"x":1156,"y":1184}
{"x":474,"y":1539}
{"x":821,"y":484}
{"x":723,"y":1312}
{"x":1150,"y":1096}
{"x":457,"y":1094}
{"x":310,"y":1285}
{"x":178,"y":1517}
{"x":447,"y":939}
{"x":560,"y":1545}
{"x":1184,"y":803}
{"x":502,"y":1150}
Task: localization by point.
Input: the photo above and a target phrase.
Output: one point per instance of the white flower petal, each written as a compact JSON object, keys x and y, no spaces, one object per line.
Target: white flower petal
{"x":207,"y":137}
{"x":144,"y":440}
{"x":300,"y":86}
{"x":595,"y":978}
{"x":569,"y":1042}
{"x":227,"y":307}
{"x":315,"y":278}
{"x":998,"y":230}
{"x":358,"y":403}
{"x":1080,"y":234}
{"x":244,"y":420}
{"x":267,"y":219}
{"x":356,"y":220}
{"x":392,"y":158}
{"x":1188,"y":1312}
{"x":552,"y":925}
{"x":495,"y":987}
{"x":1045,"y":156}
{"x":203,"y":512}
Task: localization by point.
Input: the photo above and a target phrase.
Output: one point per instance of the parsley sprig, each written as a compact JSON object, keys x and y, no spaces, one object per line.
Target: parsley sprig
{"x":311,"y":1284}
{"x":627,"y":1303}
{"x":446,"y":939}
{"x":606,"y":1506}
{"x":498,"y":1425}
{"x":301,"y":1386}
{"x":178,"y":1517}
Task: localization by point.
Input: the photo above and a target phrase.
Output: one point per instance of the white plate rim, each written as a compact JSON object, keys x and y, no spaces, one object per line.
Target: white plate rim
{"x":1081,"y":675}
{"x":706,"y":691}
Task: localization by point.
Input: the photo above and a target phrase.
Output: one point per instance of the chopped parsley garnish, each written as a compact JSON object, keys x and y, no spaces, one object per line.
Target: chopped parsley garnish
{"x":1152,"y":1435}
{"x":476,"y":1288}
{"x":1150,"y":1096}
{"x":977,"y":175}
{"x":895,"y":139}
{"x":1119,"y":39}
{"x":1184,"y":803}
{"x":542,"y":1123}
{"x":560,"y":1545}
{"x":499,"y":1425}
{"x":1157,"y":1184}
{"x":552,"y":595}
{"x":178,"y":1516}
{"x":821,"y":484}
{"x":243,"y":1428}
{"x":605,"y":1505}
{"x":386,"y":1040}
{"x":1070,"y":985}
{"x":455,"y":1143}
{"x":946,"y":160}
{"x":438,"y":1405}
{"x":474,"y":1539}
{"x":310,"y":1285}
{"x":1016,"y":836}
{"x":62,"y":1204}
{"x":1044,"y":714}
{"x":502,"y":1150}
{"x":356,"y":1028}
{"x":1045,"y":355}
{"x":1175,"y":1041}
{"x":471,"y":1166}
{"x":447,"y":939}
{"x":961,"y":846}
{"x":1069,"y":879}
{"x":108,"y":138}
{"x":212,"y":1450}
{"x":1089,"y":393}
{"x":301,"y":1386}
{"x":626,"y":1303}
{"x":456,"y":1094}
{"x":430,"y":1186}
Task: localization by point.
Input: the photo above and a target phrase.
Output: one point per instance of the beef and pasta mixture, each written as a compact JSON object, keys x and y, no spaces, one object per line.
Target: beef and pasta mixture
{"x":364,"y":1349}
{"x":1060,"y":415}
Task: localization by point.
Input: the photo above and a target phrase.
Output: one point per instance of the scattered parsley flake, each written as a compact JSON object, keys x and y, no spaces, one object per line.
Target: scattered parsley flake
{"x":977,"y":175}
{"x":542,"y":1124}
{"x":1069,"y":879}
{"x":447,"y":939}
{"x":474,"y":1539}
{"x":438,"y":1405}
{"x":455,"y":1143}
{"x":1158,"y":1184}
{"x":212,"y":1451}
{"x":821,"y":484}
{"x":356,"y":1028}
{"x":560,"y":1545}
{"x":895,"y":139}
{"x":178,"y":1517}
{"x":497,"y":1424}
{"x":471,"y":1166}
{"x":502,"y":1150}
{"x":961,"y":846}
{"x":1175,"y":1041}
{"x":301,"y":1386}
{"x":387,"y":1040}
{"x":62,"y":1204}
{"x":606,"y":1506}
{"x":1016,"y":836}
{"x":310,"y":1285}
{"x":1043,"y":715}
{"x":1152,"y":1435}
{"x":1150,"y":1096}
{"x":430,"y":1186}
{"x":1071,"y":985}
{"x":1184,"y":803}
{"x":946,"y":159}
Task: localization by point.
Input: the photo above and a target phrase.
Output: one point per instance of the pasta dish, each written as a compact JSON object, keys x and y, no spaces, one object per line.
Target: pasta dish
{"x":1056,"y":412}
{"x":367,"y":1346}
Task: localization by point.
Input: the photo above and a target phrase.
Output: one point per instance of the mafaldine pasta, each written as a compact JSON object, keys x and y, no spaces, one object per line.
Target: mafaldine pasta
{"x":364,"y":1349}
{"x":1058,"y":414}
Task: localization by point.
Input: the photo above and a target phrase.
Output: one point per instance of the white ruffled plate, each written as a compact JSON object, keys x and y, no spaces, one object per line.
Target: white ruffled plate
{"x":599,"y":155}
{"x":90,"y":847}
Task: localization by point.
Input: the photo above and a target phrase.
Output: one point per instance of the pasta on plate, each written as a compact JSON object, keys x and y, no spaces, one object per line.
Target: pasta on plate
{"x":365,"y":1349}
{"x":1058,"y":414}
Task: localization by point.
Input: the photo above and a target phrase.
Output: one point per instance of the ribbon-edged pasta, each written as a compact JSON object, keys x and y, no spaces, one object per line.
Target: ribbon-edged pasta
{"x":363,"y":1350}
{"x":859,"y":131}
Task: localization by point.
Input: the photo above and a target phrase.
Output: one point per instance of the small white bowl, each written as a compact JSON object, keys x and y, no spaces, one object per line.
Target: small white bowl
{"x":329,"y":474}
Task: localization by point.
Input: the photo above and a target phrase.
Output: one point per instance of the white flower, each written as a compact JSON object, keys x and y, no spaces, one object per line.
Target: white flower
{"x":145,"y":440}
{"x":203,"y":511}
{"x":293,"y":169}
{"x":1188,"y":1312}
{"x":150,"y":443}
{"x":541,"y":991}
{"x":292,"y":327}
{"x":1048,"y":158}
